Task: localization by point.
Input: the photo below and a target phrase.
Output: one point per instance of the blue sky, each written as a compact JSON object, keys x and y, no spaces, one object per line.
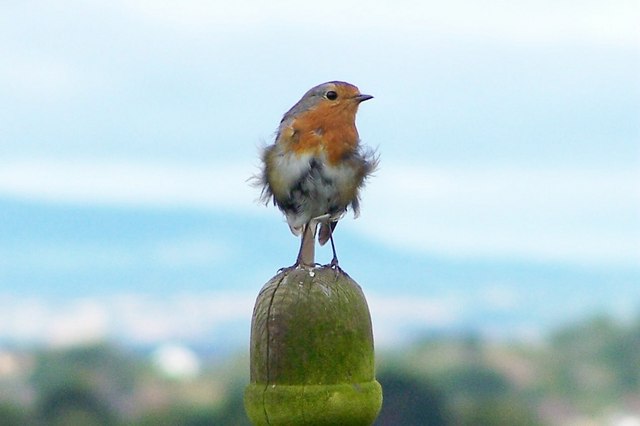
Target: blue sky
{"x":509,"y":134}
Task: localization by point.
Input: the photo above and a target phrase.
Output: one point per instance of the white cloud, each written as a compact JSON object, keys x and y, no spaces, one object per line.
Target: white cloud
{"x":82,"y":321}
{"x":397,"y":319}
{"x":132,"y":318}
{"x":36,"y":75}
{"x":65,"y":56}
{"x":530,"y":21}
{"x":432,"y":311}
{"x":192,"y":317}
{"x":40,"y":77}
{"x":184,"y":316}
{"x":568,"y":214}
{"x":222,"y":319}
{"x":579,"y":215}
{"x":128,"y":183}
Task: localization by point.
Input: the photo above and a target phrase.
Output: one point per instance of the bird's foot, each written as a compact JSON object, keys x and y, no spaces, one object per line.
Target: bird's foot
{"x":335,"y":266}
{"x":287,"y":268}
{"x":297,"y":265}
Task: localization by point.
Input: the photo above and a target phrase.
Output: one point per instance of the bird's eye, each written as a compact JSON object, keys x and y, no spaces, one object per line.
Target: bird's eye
{"x":331,"y":95}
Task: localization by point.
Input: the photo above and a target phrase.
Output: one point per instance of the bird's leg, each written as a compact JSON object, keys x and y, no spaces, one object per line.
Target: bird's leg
{"x":306,"y":255}
{"x":334,"y":261}
{"x":325,"y":219}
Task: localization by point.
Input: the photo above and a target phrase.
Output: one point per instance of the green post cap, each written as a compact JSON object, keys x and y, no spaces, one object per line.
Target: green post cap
{"x":311,"y":350}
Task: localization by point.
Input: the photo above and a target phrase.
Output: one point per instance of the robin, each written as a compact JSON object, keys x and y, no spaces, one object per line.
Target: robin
{"x":316,"y":167}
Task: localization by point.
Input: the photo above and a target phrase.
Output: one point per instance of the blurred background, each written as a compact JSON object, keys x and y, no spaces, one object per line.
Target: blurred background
{"x":498,"y":246}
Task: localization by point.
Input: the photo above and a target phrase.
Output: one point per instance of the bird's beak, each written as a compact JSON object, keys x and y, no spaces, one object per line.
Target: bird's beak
{"x":362,"y":98}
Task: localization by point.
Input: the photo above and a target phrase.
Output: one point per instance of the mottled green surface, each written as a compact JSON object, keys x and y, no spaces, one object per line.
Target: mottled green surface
{"x":344,"y":404}
{"x":312,"y":359}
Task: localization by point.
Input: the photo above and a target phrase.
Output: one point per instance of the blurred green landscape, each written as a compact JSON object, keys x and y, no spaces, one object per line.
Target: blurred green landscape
{"x":586,"y":373}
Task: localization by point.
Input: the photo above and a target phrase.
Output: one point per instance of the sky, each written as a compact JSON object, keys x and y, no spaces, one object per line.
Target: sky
{"x":509,"y":136}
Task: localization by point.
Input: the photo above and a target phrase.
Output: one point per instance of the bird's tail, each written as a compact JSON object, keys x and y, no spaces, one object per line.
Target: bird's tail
{"x":326,"y":229}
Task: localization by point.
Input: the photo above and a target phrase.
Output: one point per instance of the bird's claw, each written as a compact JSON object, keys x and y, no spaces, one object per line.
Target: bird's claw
{"x":297,"y":265}
{"x":335,"y":266}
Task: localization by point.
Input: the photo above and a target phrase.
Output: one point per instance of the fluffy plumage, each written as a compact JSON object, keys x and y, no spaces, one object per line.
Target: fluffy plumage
{"x":316,"y":166}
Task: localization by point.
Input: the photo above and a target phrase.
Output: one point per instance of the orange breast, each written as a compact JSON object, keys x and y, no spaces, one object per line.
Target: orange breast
{"x":329,"y":130}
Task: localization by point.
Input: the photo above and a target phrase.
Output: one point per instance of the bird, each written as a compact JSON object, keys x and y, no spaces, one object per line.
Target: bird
{"x":316,"y":167}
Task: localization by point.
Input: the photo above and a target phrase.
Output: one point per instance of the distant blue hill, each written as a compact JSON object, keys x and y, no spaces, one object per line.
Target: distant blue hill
{"x":58,"y":251}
